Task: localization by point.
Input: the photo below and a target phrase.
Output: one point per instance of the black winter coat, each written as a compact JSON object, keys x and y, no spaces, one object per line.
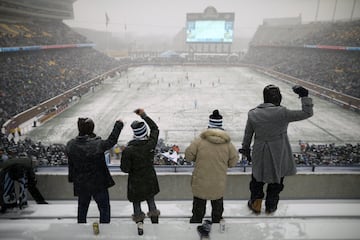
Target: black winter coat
{"x":87,"y":166}
{"x":137,"y":160}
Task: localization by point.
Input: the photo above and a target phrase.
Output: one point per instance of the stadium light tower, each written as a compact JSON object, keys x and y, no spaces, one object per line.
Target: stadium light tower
{"x":317,"y":10}
{"x":352,"y":10}
{"x":333,"y":17}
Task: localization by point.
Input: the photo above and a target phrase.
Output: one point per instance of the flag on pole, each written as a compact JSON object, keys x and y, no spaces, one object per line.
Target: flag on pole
{"x":107,"y":19}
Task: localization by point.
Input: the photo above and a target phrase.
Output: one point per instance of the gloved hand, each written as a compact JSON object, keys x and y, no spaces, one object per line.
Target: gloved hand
{"x":301,"y":91}
{"x":140,"y":112}
{"x":120,"y":123}
{"x":246,"y":153}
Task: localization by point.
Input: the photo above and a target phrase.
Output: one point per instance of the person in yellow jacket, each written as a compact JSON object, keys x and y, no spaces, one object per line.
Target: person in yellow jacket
{"x":213,"y":153}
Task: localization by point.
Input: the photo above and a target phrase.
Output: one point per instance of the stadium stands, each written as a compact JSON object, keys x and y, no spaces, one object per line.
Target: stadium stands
{"x":32,"y":77}
{"x":281,"y":48}
{"x":316,"y":33}
{"x":38,"y":33}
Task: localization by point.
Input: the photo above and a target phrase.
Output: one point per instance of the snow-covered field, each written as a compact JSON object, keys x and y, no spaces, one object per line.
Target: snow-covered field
{"x":181,"y":98}
{"x":181,"y":106}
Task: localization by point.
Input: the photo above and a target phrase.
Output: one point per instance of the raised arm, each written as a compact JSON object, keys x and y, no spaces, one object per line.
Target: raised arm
{"x":306,"y":105}
{"x":113,"y":137}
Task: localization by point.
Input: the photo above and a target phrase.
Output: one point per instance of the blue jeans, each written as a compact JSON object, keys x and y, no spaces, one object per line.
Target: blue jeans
{"x":103,"y":202}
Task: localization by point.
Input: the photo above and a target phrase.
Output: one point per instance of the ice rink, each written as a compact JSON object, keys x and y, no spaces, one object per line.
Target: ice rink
{"x":181,"y":98}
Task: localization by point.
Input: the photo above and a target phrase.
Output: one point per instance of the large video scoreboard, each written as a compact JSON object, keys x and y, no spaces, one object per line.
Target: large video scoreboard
{"x":210,"y":27}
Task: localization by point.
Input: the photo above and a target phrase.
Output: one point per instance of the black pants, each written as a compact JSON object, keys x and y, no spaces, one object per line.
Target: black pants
{"x":33,"y":190}
{"x":103,"y":202}
{"x":137,"y":206}
{"x":199,"y":208}
{"x":272,"y":191}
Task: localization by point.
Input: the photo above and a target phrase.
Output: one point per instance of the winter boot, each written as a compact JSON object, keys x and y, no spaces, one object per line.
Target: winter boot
{"x":271,"y":209}
{"x":138,"y":218}
{"x":154,"y":216}
{"x":255,"y":205}
{"x":272,"y":196}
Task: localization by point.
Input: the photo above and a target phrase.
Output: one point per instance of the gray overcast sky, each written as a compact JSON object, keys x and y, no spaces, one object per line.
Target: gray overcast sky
{"x":168,"y":17}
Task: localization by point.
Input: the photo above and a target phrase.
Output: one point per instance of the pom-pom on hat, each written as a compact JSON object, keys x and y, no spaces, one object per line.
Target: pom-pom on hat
{"x":139,"y":129}
{"x":215,"y":120}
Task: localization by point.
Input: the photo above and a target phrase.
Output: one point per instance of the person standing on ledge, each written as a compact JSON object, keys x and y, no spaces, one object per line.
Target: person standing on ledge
{"x":271,"y":157}
{"x":137,"y":160}
{"x":213,"y":153}
{"x":87,"y":168}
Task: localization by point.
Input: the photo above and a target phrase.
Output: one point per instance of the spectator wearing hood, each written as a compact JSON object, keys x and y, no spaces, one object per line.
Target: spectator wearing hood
{"x":212,"y":153}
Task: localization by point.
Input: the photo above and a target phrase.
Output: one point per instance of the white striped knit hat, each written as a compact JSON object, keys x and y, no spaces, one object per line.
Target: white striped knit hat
{"x":215,"y":120}
{"x":139,"y":129}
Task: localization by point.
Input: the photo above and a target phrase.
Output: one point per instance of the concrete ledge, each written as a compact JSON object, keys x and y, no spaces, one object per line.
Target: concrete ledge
{"x":294,"y":219}
{"x":176,"y":186}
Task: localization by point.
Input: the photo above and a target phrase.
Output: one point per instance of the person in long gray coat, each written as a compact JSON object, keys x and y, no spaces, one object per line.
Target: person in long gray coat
{"x":271,"y":157}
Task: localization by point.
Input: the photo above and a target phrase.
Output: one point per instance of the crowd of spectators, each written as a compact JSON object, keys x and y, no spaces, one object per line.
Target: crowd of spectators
{"x":43,"y":155}
{"x":340,"y":33}
{"x":334,"y":69}
{"x":328,"y":155}
{"x":336,"y":34}
{"x":31,"y":77}
{"x":38,"y":33}
{"x":165,"y":154}
{"x":337,"y":70}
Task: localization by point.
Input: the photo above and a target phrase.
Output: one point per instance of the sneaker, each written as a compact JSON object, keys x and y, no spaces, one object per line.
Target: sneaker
{"x":204,"y":229}
{"x":207,"y":224}
{"x":255,"y":205}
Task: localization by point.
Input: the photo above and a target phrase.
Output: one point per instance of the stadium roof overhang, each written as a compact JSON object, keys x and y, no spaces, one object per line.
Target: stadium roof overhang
{"x":18,"y":10}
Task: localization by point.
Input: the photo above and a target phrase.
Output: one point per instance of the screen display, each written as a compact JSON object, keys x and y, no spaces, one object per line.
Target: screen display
{"x":209,"y":31}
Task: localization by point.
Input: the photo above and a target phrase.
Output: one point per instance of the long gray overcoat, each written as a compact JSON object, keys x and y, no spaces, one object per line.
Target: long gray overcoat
{"x":272,"y":157}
